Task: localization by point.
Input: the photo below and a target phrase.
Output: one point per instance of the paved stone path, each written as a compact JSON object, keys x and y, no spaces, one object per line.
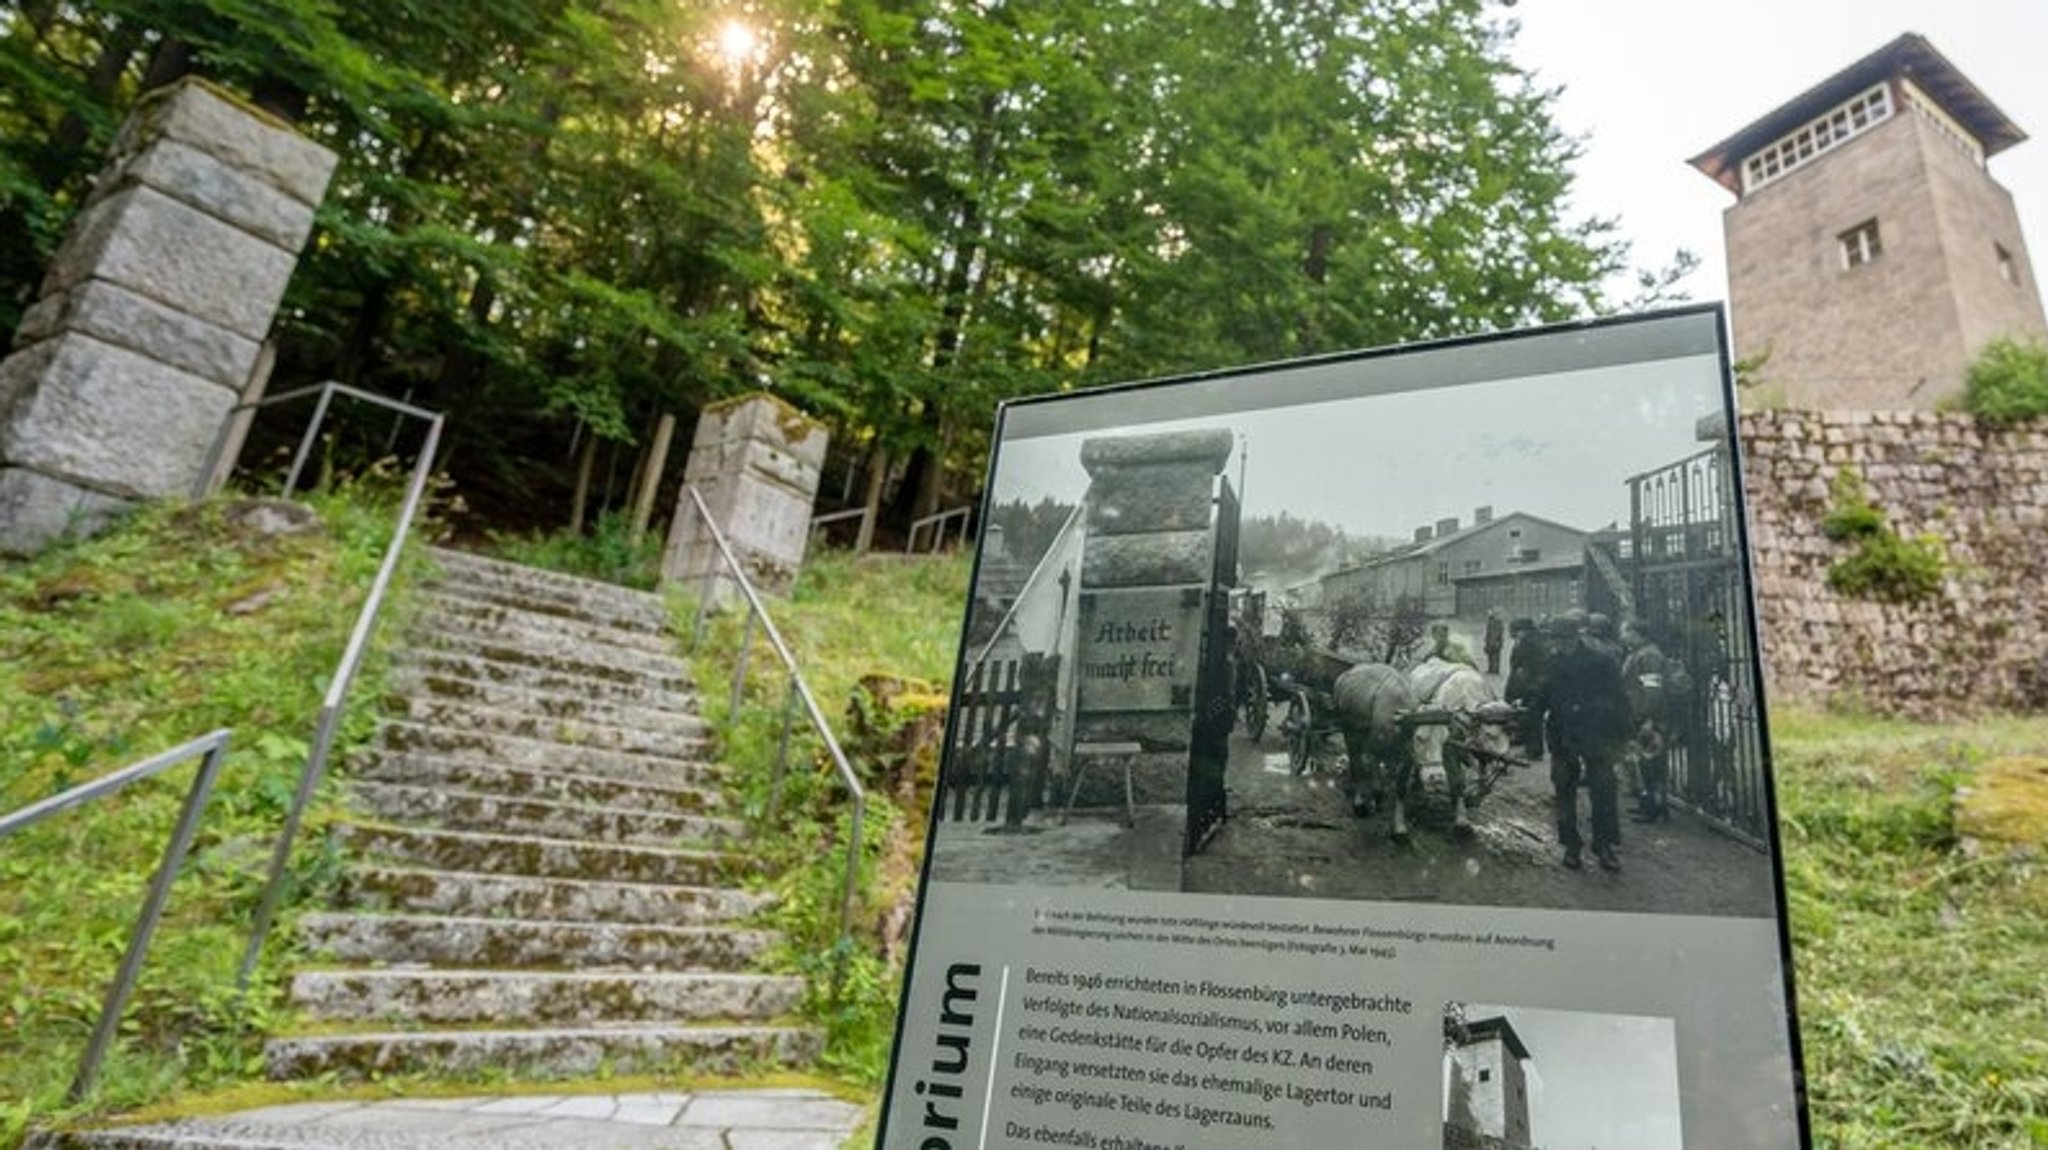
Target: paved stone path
{"x":779,"y":1119}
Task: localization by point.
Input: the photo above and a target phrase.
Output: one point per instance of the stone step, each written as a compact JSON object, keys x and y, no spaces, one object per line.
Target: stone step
{"x":570,"y":593}
{"x":697,"y":794}
{"x":455,"y":688}
{"x":562,"y":656}
{"x":692,"y":1050}
{"x":539,"y":857}
{"x":638,"y":618}
{"x":471,"y":893}
{"x":631,"y":691}
{"x":463,"y":810}
{"x":680,"y":730}
{"x":516,"y":640}
{"x":454,"y":605}
{"x":435,"y":940}
{"x":540,"y":998}
{"x":682,"y":760}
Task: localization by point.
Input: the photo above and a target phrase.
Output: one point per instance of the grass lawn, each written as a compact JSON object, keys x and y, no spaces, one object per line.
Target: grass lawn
{"x":1921,"y":949}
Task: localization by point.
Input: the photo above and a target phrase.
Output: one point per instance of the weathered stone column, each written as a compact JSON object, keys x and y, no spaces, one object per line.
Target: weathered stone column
{"x":1145,"y":573}
{"x":152,"y":312}
{"x":757,"y":462}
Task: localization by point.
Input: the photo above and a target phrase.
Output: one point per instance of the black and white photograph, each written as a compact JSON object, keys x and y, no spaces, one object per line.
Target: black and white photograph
{"x":1438,"y":627}
{"x":1517,"y":1078}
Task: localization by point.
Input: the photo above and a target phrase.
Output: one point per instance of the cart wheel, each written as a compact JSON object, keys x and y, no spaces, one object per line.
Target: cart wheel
{"x":1300,"y":721}
{"x":1256,"y":703}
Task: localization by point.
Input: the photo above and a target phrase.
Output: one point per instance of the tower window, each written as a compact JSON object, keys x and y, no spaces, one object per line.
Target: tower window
{"x":2007,"y":269}
{"x":1830,"y":131}
{"x":1860,"y":244}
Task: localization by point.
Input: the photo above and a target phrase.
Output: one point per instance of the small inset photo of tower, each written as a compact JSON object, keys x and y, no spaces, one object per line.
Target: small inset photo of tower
{"x":1486,"y":1093}
{"x":1871,"y":256}
{"x":1519,"y":1078}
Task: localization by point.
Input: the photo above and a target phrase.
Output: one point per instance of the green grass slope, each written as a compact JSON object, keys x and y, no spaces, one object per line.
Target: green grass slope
{"x":847,"y":619}
{"x":113,"y":650}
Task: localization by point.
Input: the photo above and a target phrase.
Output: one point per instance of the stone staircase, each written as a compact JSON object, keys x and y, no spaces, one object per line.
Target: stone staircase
{"x":539,"y":875}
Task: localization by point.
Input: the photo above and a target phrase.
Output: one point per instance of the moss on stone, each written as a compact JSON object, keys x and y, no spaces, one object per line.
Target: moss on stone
{"x":2006,"y":804}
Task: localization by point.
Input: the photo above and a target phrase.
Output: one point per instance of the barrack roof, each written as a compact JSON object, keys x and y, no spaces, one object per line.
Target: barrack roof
{"x":1910,"y":56}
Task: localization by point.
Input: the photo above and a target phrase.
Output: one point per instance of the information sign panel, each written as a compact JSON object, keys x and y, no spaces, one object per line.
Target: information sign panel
{"x":1493,"y":860}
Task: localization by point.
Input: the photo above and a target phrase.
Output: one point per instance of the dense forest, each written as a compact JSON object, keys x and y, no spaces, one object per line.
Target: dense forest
{"x":1279,"y":551}
{"x":556,"y":220}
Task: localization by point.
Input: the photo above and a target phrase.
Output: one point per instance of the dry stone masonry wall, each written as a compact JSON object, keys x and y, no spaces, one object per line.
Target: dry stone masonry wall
{"x":152,"y":312}
{"x":1980,"y":643}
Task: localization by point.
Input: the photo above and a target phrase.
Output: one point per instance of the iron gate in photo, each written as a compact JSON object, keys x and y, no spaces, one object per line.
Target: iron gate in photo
{"x":1689,"y":590}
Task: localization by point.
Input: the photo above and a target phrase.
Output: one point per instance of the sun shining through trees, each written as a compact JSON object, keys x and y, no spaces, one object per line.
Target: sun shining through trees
{"x":558,"y":217}
{"x":738,"y":44}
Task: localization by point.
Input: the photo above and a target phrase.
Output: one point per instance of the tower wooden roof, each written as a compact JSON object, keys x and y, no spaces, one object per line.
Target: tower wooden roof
{"x":1910,"y":56}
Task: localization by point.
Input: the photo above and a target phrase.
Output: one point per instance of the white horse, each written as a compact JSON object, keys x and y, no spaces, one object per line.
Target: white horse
{"x":1464,"y":694}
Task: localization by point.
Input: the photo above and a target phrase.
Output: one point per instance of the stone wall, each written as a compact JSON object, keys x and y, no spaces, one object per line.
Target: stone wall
{"x":1980,"y":644}
{"x":152,"y":312}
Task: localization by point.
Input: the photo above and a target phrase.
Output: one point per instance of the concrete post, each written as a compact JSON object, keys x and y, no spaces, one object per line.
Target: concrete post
{"x":1145,"y":572}
{"x":152,"y":312}
{"x":757,"y":461}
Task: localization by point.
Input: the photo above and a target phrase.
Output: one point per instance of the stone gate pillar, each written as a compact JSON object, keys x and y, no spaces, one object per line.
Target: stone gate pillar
{"x":152,"y":311}
{"x":1146,"y":567}
{"x":757,"y":462}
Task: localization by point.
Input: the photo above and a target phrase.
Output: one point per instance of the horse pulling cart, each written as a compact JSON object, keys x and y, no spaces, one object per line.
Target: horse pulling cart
{"x":1393,"y":724}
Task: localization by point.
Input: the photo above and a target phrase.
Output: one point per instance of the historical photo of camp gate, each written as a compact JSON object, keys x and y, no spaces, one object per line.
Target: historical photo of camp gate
{"x":1462,"y":625}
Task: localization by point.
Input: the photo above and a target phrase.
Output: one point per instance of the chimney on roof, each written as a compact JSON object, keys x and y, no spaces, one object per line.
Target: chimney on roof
{"x":1482,"y":515}
{"x":1422,"y":534}
{"x":1446,"y":527}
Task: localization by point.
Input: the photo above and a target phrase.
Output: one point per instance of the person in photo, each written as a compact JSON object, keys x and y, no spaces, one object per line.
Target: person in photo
{"x":1589,"y":723}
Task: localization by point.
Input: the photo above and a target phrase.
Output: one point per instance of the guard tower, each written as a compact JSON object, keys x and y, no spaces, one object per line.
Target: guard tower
{"x":1871,"y":255}
{"x":1486,"y":1095}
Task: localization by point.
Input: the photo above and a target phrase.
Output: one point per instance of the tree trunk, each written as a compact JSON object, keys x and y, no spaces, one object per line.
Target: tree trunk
{"x":586,"y":462}
{"x":650,"y":485}
{"x":171,"y":61}
{"x":931,"y":488}
{"x":280,"y":97}
{"x":462,"y":365}
{"x":68,"y":142}
{"x":878,"y":476}
{"x":359,"y":350}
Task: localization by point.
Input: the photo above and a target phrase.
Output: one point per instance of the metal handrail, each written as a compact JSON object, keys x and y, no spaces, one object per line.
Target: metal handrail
{"x":337,"y":695}
{"x":214,"y":748}
{"x":327,"y":392}
{"x":937,"y":521}
{"x":818,"y":521}
{"x":798,"y":692}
